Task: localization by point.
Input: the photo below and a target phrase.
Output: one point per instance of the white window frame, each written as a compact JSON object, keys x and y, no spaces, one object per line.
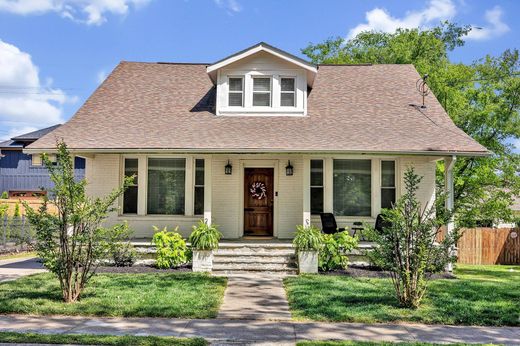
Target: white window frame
{"x":322,"y":186}
{"x":288,"y":92}
{"x":195,"y":185}
{"x":381,"y":186}
{"x":270,"y":92}
{"x":236,"y":92}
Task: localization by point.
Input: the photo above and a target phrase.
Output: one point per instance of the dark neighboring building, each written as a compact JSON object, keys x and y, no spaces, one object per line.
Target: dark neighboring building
{"x":23,"y":175}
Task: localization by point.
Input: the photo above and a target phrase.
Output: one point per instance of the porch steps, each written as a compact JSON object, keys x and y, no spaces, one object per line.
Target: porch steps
{"x":252,"y":257}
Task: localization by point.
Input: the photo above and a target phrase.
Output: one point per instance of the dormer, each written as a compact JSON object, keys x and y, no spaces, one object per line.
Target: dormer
{"x":262,"y":80}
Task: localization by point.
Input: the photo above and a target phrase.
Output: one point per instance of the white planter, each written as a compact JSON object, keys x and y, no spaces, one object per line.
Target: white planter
{"x":202,"y":260}
{"x":308,"y":262}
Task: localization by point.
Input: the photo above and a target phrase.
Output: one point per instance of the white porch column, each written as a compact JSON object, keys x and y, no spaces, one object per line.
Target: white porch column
{"x":449,"y":163}
{"x":207,"y":190}
{"x":190,"y":176}
{"x":306,"y":191}
{"x":328,"y":185}
{"x":142,"y":173}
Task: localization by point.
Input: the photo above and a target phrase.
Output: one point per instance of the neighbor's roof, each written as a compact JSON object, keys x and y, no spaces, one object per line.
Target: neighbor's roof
{"x":366,"y":108}
{"x":22,"y":140}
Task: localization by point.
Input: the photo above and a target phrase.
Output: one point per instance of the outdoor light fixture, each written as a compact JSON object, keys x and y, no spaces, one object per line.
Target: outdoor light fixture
{"x":289,"y":168}
{"x":228,"y":169}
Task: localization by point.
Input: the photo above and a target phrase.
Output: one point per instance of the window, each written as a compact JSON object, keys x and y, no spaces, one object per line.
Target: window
{"x":288,"y":92}
{"x":316,"y":186}
{"x":387,"y":184}
{"x":166,"y":186}
{"x":236,"y":92}
{"x":36,"y":160}
{"x":262,"y":91}
{"x":198,"y":206}
{"x":352,"y":187}
{"x":130,"y":194}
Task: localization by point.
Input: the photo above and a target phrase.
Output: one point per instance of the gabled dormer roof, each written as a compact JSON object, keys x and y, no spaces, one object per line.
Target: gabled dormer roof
{"x":311,"y":69}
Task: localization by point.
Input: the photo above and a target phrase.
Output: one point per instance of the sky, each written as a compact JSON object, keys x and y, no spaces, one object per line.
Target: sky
{"x":54,"y":53}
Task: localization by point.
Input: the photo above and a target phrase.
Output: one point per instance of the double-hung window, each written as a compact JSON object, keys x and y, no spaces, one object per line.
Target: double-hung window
{"x":131,"y":193}
{"x":236,"y":92}
{"x":198,"y":200}
{"x":352,"y":187}
{"x":316,"y":186}
{"x":262,"y":91}
{"x":288,"y":92}
{"x":387,"y":184}
{"x":166,"y":186}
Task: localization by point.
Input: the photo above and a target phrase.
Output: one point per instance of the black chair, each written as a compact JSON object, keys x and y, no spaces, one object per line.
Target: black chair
{"x":328,"y":224}
{"x":381,"y":223}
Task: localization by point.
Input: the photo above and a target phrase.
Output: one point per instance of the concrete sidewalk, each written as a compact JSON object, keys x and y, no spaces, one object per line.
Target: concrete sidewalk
{"x":258,"y":332}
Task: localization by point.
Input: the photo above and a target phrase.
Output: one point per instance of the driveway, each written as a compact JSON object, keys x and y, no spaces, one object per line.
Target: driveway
{"x":13,"y":269}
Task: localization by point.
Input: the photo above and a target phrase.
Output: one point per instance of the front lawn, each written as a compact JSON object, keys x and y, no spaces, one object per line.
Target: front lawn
{"x":85,"y":339}
{"x":482,"y":295}
{"x":367,"y":343}
{"x":184,"y":295}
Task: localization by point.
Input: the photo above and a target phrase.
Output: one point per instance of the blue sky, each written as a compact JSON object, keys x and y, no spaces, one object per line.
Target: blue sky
{"x":54,"y":53}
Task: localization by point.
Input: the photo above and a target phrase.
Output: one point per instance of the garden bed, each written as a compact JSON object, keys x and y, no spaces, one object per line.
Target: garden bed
{"x":139,"y":269}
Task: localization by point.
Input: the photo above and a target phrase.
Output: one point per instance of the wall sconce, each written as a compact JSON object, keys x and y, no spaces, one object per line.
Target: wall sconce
{"x":289,"y":170}
{"x":228,"y":169}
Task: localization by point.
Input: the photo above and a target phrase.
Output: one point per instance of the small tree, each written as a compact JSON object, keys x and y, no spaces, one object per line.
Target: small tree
{"x":71,"y":242}
{"x":408,"y":245}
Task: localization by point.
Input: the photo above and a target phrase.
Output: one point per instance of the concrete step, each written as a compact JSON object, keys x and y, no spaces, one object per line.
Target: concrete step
{"x":254,"y":259}
{"x":254,"y":252}
{"x":253,"y":266}
{"x":242,"y":273}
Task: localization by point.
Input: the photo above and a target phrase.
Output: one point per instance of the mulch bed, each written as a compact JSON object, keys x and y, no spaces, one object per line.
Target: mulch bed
{"x":371,"y":272}
{"x":138,"y":269}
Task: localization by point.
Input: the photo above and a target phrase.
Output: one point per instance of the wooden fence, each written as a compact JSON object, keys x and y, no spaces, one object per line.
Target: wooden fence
{"x":489,"y":246}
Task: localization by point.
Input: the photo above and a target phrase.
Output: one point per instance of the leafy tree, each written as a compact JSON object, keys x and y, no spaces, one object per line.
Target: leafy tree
{"x":407,"y":248}
{"x":482,"y":98}
{"x":71,"y":242}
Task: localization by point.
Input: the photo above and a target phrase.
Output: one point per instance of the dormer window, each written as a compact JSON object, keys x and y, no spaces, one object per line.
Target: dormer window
{"x":262,"y":92}
{"x":236,"y":92}
{"x":288,"y":92}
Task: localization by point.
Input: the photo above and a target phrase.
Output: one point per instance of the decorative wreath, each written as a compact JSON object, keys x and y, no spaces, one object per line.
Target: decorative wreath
{"x":258,"y":190}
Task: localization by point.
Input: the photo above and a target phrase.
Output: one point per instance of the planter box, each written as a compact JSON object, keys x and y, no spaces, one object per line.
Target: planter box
{"x":308,"y":262}
{"x":202,"y":260}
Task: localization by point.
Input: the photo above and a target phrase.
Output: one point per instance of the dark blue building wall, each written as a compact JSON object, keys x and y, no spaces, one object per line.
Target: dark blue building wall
{"x":17,"y":173}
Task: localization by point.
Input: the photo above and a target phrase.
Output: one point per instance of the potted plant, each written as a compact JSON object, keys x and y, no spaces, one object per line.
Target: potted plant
{"x":308,"y":241}
{"x":204,"y":239}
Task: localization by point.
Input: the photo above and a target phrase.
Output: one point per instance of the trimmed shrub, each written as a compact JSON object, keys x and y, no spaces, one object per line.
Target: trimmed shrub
{"x":333,"y":254}
{"x":171,"y":248}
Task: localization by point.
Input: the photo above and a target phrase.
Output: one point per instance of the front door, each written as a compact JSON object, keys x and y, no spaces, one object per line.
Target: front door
{"x":258,"y":201}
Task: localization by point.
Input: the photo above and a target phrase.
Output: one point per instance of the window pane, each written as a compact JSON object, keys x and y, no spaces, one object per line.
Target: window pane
{"x":387,"y":198}
{"x":235,"y":84}
{"x":199,"y":200}
{"x":316,"y":172}
{"x":199,"y":172}
{"x":36,"y":160}
{"x":316,"y":200}
{"x":388,"y":173}
{"x":261,"y":84}
{"x":261,"y":99}
{"x":352,"y":187}
{"x":287,"y":84}
{"x":287,"y":100}
{"x":235,"y":99}
{"x":130,"y":195}
{"x":166,"y":178}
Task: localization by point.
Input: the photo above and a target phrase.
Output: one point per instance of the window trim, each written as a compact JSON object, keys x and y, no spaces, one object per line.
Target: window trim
{"x":293,"y":92}
{"x":381,"y":186}
{"x":147,"y":158}
{"x":195,"y":185}
{"x":372,"y":190}
{"x":123,"y":174}
{"x":322,"y":186}
{"x":242,"y":92}
{"x":270,"y":92}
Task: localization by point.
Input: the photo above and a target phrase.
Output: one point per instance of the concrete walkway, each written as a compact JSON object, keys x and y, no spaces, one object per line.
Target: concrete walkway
{"x":257,"y":332}
{"x":255,"y":297}
{"x":15,"y":268}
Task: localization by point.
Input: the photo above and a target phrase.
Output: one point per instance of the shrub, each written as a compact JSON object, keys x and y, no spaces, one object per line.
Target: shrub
{"x":171,"y":248}
{"x":16,"y":212}
{"x":119,"y":249}
{"x":4,"y":195}
{"x":204,"y":236}
{"x":333,"y":253}
{"x":308,"y":238}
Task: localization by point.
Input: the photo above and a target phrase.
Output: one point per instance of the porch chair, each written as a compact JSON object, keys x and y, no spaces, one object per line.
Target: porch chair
{"x":381,"y":223}
{"x":328,"y":224}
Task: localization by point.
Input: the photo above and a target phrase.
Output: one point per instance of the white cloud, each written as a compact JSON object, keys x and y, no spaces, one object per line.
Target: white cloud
{"x":495,"y":28}
{"x":25,"y":103}
{"x":91,"y":12}
{"x":232,"y":6}
{"x":101,"y":76}
{"x":379,"y":19}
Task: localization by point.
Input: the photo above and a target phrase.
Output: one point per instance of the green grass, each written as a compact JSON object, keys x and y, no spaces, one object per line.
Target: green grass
{"x":84,"y":339}
{"x":364,"y":343}
{"x":18,"y":255}
{"x":482,"y":295}
{"x":184,"y":295}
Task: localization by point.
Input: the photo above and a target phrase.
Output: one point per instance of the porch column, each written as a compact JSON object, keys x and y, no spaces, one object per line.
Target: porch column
{"x":306,"y":191}
{"x":449,"y":164}
{"x":207,"y":189}
{"x":142,"y":174}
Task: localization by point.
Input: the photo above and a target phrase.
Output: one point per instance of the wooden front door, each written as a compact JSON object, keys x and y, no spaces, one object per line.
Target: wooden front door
{"x":258,"y":201}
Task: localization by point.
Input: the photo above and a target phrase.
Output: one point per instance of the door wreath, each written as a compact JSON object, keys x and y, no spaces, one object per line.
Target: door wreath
{"x":258,"y":190}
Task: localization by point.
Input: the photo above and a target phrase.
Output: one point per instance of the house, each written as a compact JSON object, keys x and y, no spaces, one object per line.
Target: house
{"x":23,"y":175}
{"x":259,"y":142}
